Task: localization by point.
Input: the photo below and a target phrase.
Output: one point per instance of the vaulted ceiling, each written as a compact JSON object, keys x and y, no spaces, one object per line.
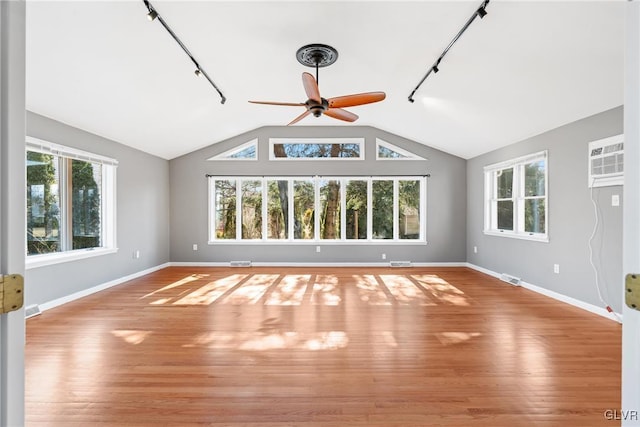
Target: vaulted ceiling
{"x":525,"y":68}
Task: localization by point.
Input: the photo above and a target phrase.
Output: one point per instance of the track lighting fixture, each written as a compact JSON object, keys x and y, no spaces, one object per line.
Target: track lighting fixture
{"x":152,"y":15}
{"x":481,"y":12}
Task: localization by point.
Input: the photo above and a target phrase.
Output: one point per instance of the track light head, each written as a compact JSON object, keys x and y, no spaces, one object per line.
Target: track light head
{"x":482,"y":12}
{"x":198,"y":71}
{"x":152,"y":14}
{"x":435,"y":69}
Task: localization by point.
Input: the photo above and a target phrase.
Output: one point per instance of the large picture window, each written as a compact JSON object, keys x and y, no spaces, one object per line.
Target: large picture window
{"x":516,"y":197}
{"x":317,"y":209}
{"x":70,"y":203}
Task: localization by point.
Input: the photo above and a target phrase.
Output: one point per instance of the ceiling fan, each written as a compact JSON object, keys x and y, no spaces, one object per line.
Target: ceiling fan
{"x":320,"y":55}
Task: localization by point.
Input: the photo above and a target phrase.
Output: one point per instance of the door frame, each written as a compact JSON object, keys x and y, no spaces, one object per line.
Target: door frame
{"x":12,"y":203}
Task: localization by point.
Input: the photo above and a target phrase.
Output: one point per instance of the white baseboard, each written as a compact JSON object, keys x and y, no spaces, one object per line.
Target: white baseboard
{"x":555,"y":295}
{"x":77,"y":295}
{"x":318,"y":264}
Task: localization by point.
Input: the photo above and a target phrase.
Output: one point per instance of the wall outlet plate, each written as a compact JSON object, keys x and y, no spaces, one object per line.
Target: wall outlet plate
{"x":632,"y":291}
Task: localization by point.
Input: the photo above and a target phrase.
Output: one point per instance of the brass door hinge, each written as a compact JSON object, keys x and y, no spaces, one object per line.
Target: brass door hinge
{"x":632,"y":291}
{"x":11,"y":292}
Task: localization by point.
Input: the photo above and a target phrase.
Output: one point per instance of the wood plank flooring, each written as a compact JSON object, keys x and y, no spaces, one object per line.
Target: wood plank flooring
{"x":266,"y":347}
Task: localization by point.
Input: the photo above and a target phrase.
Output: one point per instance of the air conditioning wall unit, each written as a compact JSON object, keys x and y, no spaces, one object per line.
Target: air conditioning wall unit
{"x":606,"y":162}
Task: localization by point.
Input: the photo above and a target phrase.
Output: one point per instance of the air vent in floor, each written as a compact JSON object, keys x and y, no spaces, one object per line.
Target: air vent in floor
{"x":515,"y":281}
{"x":32,"y":310}
{"x":240,"y":263}
{"x":400,"y":263}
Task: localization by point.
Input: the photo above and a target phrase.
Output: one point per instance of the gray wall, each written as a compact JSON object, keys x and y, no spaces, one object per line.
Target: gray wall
{"x":142,"y":217}
{"x":446,"y":199}
{"x":571,"y":217}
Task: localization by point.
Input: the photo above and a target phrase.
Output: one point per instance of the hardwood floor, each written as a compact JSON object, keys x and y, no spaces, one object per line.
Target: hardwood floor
{"x":321,"y":347}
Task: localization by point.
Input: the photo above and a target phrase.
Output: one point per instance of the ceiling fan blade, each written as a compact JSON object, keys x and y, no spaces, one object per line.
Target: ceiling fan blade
{"x":356,"y":99}
{"x":311,"y":87}
{"x":300,"y":117}
{"x":288,"y":104}
{"x":340,"y":114}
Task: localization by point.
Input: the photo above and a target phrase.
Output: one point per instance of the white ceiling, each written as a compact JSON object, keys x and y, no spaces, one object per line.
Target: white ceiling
{"x":525,"y":68}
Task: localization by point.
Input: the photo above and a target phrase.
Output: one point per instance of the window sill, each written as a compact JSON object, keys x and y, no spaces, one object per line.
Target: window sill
{"x":511,"y":235}
{"x":36,"y":261}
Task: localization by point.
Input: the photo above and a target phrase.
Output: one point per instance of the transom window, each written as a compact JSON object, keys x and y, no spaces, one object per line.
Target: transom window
{"x":516,"y":197}
{"x":388,"y":151}
{"x":317,"y":209}
{"x":246,"y":151}
{"x":316,"y":148}
{"x":70,"y":203}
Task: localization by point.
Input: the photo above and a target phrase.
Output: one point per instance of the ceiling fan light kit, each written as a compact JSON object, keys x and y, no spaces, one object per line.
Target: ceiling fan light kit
{"x":317,"y":56}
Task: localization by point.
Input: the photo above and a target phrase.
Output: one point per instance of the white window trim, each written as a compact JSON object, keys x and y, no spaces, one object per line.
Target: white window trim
{"x":46,"y":147}
{"x":358,"y":141}
{"x":225,"y":154}
{"x":108,"y":204}
{"x":518,"y":197}
{"x":408,"y":155}
{"x":212,"y":240}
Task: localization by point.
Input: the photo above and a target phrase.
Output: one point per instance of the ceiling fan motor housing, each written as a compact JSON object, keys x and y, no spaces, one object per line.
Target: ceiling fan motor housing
{"x":317,"y":108}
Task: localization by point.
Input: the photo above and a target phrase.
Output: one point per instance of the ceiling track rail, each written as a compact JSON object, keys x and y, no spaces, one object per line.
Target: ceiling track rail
{"x":152,"y":15}
{"x":481,"y":12}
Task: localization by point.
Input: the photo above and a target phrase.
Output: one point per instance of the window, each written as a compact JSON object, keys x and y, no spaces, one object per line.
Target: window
{"x":516,"y":198}
{"x":316,"y":148}
{"x":70,"y":203}
{"x":317,"y":209}
{"x":246,"y":151}
{"x":388,"y":151}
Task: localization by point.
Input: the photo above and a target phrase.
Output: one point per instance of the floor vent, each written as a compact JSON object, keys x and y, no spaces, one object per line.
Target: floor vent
{"x":32,"y":310}
{"x":515,"y":281}
{"x":240,"y":263}
{"x":400,"y":263}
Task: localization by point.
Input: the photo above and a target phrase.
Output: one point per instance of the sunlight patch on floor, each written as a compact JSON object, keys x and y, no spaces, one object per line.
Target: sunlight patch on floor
{"x":251,"y":291}
{"x":210,"y":292}
{"x":389,"y":339}
{"x":453,"y":338}
{"x":178,"y":283}
{"x":404,"y":290}
{"x":290,"y":290}
{"x":369,"y":290}
{"x":442,"y":290}
{"x":326,"y":290}
{"x":259,"y":341}
{"x":131,"y":336}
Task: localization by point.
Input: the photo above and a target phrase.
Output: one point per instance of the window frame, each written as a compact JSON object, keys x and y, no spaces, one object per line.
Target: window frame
{"x":228,"y":155}
{"x":389,"y":146}
{"x":107,"y":204}
{"x":328,"y":141}
{"x":317,"y":239}
{"x":518,"y":197}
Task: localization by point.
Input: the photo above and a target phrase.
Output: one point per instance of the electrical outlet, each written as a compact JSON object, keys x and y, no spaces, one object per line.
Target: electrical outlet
{"x":136,"y":254}
{"x":615,"y":200}
{"x":195,"y":246}
{"x":556,"y":268}
{"x":384,"y":256}
{"x":475,"y":249}
{"x":318,"y":249}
